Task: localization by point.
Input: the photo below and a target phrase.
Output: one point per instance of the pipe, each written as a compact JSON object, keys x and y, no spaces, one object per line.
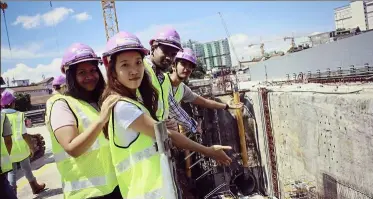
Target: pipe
{"x":187,"y":154}
{"x":241,"y":130}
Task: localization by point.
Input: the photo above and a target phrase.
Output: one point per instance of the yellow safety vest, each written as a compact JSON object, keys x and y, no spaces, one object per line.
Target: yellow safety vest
{"x":137,"y":166}
{"x":163,"y":90}
{"x":20,"y":149}
{"x":92,"y":173}
{"x":48,"y":106}
{"x":6,"y":163}
{"x":178,"y":95}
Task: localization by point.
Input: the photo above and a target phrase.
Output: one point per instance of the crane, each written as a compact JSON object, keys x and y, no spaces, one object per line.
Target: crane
{"x":110,"y":18}
{"x":261,"y":46}
{"x":229,"y":38}
{"x":292,"y":41}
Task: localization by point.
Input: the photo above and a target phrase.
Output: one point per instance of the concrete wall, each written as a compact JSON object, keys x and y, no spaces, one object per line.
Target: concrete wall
{"x":323,"y":136}
{"x":356,"y":50}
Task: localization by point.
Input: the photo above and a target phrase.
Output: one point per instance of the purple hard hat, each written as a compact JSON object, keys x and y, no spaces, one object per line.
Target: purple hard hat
{"x":7,"y":97}
{"x":77,"y":53}
{"x":167,"y":36}
{"x":122,"y":41}
{"x":59,"y":80}
{"x":187,"y":54}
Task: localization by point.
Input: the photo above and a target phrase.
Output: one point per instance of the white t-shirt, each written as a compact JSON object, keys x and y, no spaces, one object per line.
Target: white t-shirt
{"x":124,"y":114}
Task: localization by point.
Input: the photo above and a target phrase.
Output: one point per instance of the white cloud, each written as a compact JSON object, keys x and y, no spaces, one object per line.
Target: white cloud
{"x":82,"y":17}
{"x":29,"y":51}
{"x":53,"y":17}
{"x":34,"y":74}
{"x":28,"y":22}
{"x":197,"y":28}
{"x":56,"y":16}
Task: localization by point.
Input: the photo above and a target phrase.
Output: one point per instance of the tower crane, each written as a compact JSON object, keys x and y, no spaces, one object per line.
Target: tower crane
{"x":292,"y":41}
{"x":110,"y":18}
{"x":262,"y":46}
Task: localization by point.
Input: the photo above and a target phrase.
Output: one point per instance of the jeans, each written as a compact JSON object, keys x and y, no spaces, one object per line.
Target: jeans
{"x":5,"y":188}
{"x":26,"y":167}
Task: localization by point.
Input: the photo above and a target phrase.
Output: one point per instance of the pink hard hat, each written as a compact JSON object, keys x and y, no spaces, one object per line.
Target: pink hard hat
{"x":167,"y":36}
{"x":187,"y":54}
{"x":7,"y":97}
{"x":77,"y":53}
{"x":59,"y":80}
{"x":122,"y":41}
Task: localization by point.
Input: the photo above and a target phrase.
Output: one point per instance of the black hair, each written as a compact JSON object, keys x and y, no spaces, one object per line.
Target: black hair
{"x":76,"y":91}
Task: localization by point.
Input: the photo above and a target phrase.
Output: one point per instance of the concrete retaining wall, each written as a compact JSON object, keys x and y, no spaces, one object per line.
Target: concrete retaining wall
{"x":323,"y":138}
{"x":356,"y":50}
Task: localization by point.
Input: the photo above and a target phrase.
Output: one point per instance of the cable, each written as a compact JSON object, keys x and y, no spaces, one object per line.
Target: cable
{"x":7,"y":34}
{"x":54,"y":28}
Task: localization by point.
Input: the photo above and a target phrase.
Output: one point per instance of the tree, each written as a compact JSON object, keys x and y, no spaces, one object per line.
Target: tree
{"x":23,"y":102}
{"x":199,"y":72}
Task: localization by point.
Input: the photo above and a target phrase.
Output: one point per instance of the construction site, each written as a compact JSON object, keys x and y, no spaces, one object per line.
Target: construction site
{"x":305,"y":130}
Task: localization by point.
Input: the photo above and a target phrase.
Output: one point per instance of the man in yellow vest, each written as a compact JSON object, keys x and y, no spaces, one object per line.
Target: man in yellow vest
{"x":5,"y":163}
{"x":185,"y":63}
{"x":164,"y":47}
{"x":22,"y":145}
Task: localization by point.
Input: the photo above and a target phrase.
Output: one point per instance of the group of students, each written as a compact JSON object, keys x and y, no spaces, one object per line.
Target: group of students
{"x":103,"y":136}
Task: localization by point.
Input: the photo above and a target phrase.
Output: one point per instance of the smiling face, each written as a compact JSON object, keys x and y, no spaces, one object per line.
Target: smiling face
{"x":87,"y":75}
{"x":164,"y":56}
{"x":129,"y":68}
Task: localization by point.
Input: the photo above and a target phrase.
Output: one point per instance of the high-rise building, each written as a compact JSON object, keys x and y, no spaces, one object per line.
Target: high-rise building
{"x":212,"y":54}
{"x":356,"y":14}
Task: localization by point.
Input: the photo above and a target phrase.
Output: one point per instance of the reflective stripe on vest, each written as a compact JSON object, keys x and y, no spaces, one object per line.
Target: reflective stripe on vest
{"x":20,"y":149}
{"x":86,"y":122}
{"x":135,"y":158}
{"x":6,"y":163}
{"x":87,"y":183}
{"x":137,"y":166}
{"x":156,"y":194}
{"x":92,"y":173}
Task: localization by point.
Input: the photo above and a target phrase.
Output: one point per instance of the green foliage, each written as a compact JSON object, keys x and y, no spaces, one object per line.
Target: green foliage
{"x":23,"y":102}
{"x":199,"y":72}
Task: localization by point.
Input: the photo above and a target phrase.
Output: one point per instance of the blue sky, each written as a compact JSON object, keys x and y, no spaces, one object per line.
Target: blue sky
{"x":37,"y":44}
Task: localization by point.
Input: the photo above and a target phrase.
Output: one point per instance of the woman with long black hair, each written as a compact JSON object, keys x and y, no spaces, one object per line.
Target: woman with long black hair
{"x":75,"y":122}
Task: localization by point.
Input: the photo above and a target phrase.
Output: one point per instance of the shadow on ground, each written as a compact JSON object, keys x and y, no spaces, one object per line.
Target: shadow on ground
{"x":49,"y":193}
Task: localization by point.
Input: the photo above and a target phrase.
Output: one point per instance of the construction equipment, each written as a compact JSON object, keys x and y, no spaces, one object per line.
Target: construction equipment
{"x":110,"y":18}
{"x":292,"y":41}
{"x":261,"y":48}
{"x":229,"y":39}
{"x":262,"y":51}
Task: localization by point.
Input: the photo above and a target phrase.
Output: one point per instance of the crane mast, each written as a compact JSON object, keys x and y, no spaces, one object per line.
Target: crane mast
{"x":110,"y":18}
